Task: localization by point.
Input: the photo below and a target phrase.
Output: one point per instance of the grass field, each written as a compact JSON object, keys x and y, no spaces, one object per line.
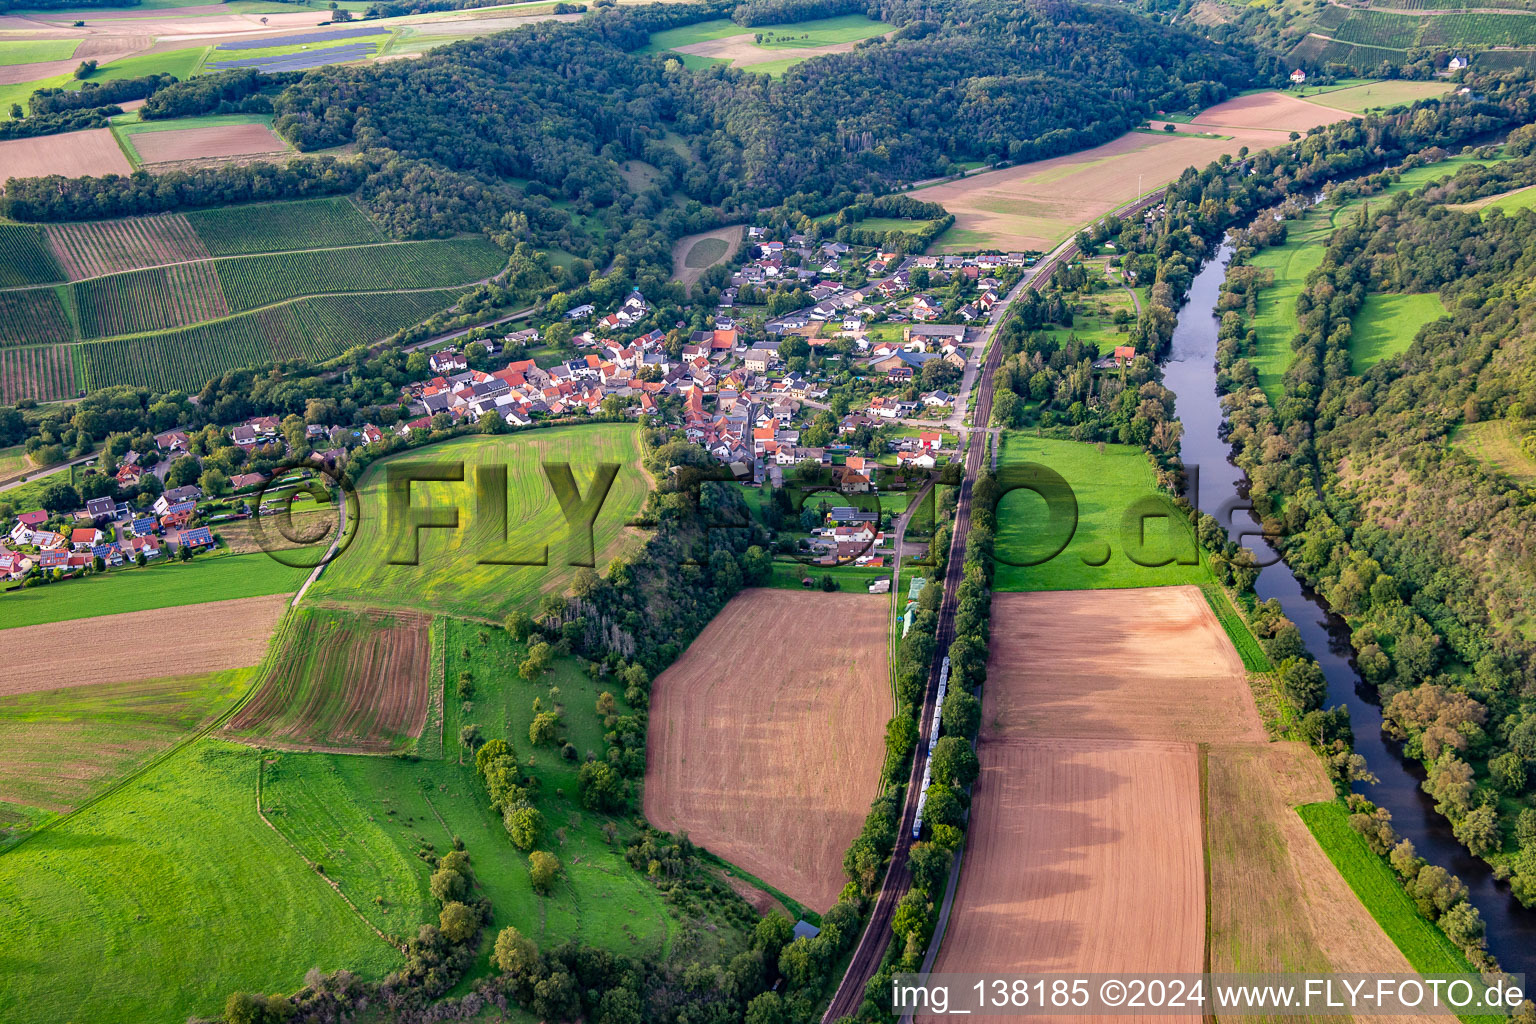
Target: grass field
{"x":1497,"y":444}
{"x":156,"y":903}
{"x":1508,"y":203}
{"x":449,"y":577}
{"x":1254,"y":658}
{"x":349,"y":681}
{"x":181,"y":63}
{"x":1387,"y":323}
{"x":1360,"y":98}
{"x":1107,"y":484}
{"x":62,"y":747}
{"x":1425,"y":946}
{"x":1301,"y":253}
{"x":35,"y":51}
{"x":767,"y":49}
{"x":848,"y":28}
{"x":365,"y":818}
{"x":167,"y":585}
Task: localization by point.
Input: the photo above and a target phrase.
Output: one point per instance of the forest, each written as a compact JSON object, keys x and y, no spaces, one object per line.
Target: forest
{"x":1425,"y":550}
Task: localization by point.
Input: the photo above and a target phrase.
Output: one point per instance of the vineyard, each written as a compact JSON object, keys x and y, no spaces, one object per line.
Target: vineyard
{"x":255,"y":281}
{"x":274,"y":227}
{"x":24,"y":258}
{"x":31,"y":317}
{"x":1490,"y":29}
{"x":95,"y":248}
{"x":313,"y":329}
{"x":46,"y":374}
{"x":1379,"y":28}
{"x":149,"y":300}
{"x":1401,"y":31}
{"x":1443,"y":5}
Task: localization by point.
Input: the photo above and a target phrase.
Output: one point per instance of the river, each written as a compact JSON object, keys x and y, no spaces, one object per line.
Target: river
{"x":1191,"y":374}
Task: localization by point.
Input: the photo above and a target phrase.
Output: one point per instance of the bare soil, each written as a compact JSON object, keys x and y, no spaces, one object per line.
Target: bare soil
{"x":344,"y":681}
{"x":138,"y":645}
{"x":766,"y":737}
{"x":1141,"y":663}
{"x":72,"y":154}
{"x":1271,"y":111}
{"x":687,"y":274}
{"x":203,"y":143}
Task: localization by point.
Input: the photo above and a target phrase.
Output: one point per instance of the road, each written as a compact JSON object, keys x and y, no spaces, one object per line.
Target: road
{"x":898,"y":877}
{"x":56,"y":468}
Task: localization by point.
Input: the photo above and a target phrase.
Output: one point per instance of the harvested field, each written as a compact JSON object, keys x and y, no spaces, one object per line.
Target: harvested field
{"x":770,"y":761}
{"x":1271,"y":111}
{"x":205,"y":143}
{"x":1082,"y":856}
{"x":342,"y":680}
{"x":741,"y":51}
{"x":694,"y":254}
{"x":1037,"y":205}
{"x":95,"y":248}
{"x":1087,"y":850}
{"x":72,"y":154}
{"x":130,"y":646}
{"x":1277,"y":902}
{"x":1145,"y":664}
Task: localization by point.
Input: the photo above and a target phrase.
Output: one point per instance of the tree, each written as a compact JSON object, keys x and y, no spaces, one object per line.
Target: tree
{"x":1509,"y":773}
{"x":489,"y":751}
{"x":961,"y":713}
{"x":540,"y":657}
{"x":911,"y":917}
{"x":606,"y":705}
{"x":954,"y":762}
{"x":469,"y":739}
{"x":942,"y":807}
{"x":542,"y":729}
{"x":1451,"y":783}
{"x":930,"y":867}
{"x":772,"y":934}
{"x":1479,"y":831}
{"x":516,"y":954}
{"x":767,"y":1008}
{"x":458,"y":922}
{"x":524,"y":825}
{"x":543,"y":868}
{"x":1303,"y":683}
{"x":602,"y":787}
{"x":60,"y":498}
{"x":447,"y":885}
{"x":184,"y":470}
{"x":519,"y":624}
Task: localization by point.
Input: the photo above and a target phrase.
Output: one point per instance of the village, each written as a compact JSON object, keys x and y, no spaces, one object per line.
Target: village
{"x":888,"y":332}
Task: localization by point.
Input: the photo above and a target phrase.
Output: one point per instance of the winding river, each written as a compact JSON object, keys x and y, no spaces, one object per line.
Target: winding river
{"x":1191,"y":374}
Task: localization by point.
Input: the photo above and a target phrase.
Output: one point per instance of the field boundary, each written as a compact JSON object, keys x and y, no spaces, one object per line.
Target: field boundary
{"x":437,"y":682}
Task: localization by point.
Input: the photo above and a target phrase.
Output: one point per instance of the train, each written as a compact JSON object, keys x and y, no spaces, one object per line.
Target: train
{"x":933,"y":740}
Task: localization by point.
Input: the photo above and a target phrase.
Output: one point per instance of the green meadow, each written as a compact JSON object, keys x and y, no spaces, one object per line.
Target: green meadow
{"x":366,"y":818}
{"x":451,"y":573}
{"x":1302,"y":252}
{"x":36,"y":51}
{"x":1387,"y":324}
{"x":164,"y":583}
{"x":155,"y":904}
{"x":1110,"y":483}
{"x":63,"y":747}
{"x":1424,"y":944}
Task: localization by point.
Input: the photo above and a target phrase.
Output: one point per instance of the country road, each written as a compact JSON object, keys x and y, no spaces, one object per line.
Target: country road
{"x":898,"y":877}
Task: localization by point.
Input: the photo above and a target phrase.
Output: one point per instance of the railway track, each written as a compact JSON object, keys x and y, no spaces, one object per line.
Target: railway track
{"x":898,"y":877}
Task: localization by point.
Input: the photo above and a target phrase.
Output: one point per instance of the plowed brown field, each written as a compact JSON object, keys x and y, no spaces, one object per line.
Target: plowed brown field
{"x":138,"y":645}
{"x":200,"y":143}
{"x":343,"y":680}
{"x":766,"y":738}
{"x":72,"y":154}
{"x":1087,"y":850}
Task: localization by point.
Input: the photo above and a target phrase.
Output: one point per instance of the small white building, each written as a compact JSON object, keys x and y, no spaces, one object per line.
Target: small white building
{"x":1298,"y":76}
